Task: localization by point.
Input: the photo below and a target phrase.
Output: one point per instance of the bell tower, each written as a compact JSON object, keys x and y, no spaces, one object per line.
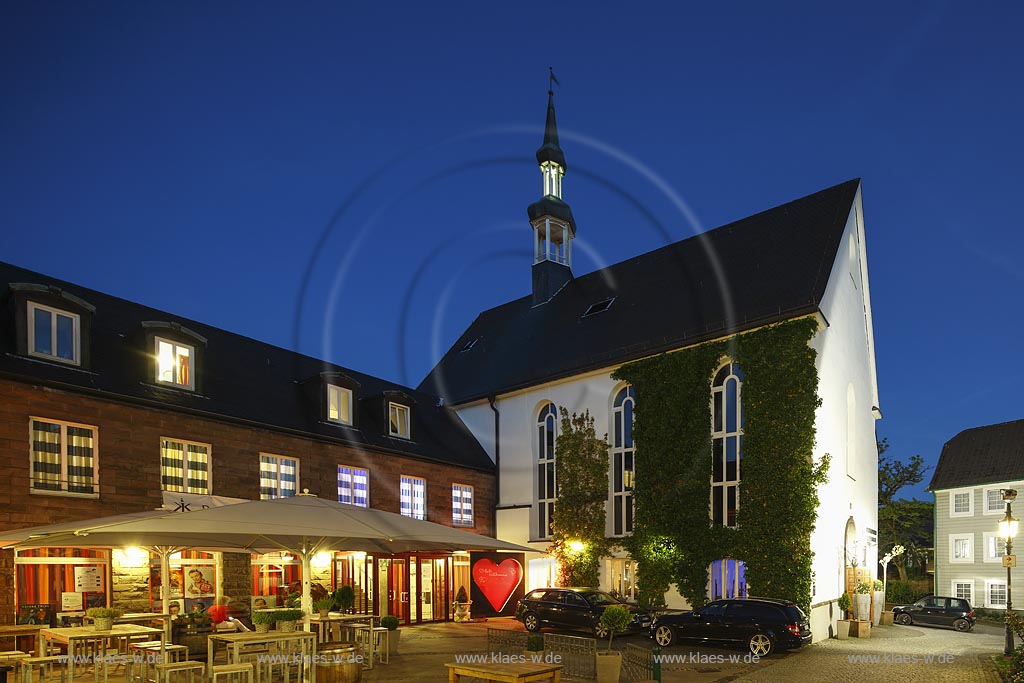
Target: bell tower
{"x":553,"y":226}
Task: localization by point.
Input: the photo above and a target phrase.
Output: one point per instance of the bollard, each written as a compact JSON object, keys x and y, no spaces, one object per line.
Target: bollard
{"x":656,"y":669}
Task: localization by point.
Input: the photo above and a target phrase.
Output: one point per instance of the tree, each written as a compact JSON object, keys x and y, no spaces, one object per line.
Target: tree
{"x":909,"y":523}
{"x":581,"y":470}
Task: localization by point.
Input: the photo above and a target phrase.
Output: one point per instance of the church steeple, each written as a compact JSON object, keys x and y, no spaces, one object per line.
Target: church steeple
{"x":553,"y":226}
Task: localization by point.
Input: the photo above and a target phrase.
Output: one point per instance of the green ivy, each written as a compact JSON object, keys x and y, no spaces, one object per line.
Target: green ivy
{"x":673,"y":539}
{"x":581,"y":470}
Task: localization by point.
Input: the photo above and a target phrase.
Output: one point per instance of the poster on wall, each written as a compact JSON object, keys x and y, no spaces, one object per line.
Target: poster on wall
{"x":88,"y":579}
{"x":72,"y":602}
{"x":177,"y":583}
{"x":199,"y":581}
{"x":197,"y":607}
{"x":35,"y":614}
{"x":498,"y":583}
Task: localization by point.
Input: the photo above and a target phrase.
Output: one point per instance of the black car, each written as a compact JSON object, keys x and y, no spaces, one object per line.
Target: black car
{"x":763,"y":625}
{"x":575,"y":609}
{"x":936,"y":610}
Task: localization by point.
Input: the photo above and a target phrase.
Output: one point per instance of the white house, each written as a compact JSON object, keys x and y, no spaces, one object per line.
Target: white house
{"x":560,"y":345}
{"x":975,"y":467}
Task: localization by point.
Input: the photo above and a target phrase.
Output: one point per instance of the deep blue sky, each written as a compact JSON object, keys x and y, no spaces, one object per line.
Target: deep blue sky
{"x":192,"y":156}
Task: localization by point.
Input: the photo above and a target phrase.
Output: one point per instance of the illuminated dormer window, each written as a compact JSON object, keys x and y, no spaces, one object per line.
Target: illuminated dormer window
{"x":398,"y":418}
{"x":175,"y":363}
{"x":339,"y":404}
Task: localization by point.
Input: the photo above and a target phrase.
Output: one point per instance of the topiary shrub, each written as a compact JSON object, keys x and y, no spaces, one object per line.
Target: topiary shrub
{"x":616,"y":619}
{"x":389,"y":622}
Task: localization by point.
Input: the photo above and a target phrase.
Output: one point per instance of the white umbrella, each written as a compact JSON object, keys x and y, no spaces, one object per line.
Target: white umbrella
{"x":304,"y":525}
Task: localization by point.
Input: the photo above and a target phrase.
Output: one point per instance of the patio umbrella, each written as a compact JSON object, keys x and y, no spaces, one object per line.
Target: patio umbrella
{"x":303,"y":525}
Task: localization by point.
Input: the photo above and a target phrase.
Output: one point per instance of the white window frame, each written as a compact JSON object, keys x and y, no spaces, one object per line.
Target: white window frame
{"x":462,"y":505}
{"x":267,"y":476}
{"x":185,"y":462}
{"x":546,"y":422}
{"x":54,"y":312}
{"x":64,"y":465}
{"x":993,"y":541}
{"x":339,"y":391}
{"x":962,"y":582}
{"x":350,"y":474}
{"x":622,"y":477}
{"x":409,"y":486}
{"x":723,"y":435}
{"x":398,"y":409}
{"x":175,"y":345}
{"x":953,"y":538}
{"x":952,"y":502}
{"x":989,"y":584}
{"x":984,"y":501}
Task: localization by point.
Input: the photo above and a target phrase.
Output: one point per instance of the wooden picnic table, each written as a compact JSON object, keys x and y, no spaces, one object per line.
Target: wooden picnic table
{"x":517,"y":672}
{"x":78,"y":640}
{"x":22,"y":630}
{"x":306,"y":654}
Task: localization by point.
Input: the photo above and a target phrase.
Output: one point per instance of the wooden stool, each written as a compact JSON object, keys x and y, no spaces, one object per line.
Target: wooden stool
{"x":381,"y":644}
{"x":232,"y":673}
{"x":180,"y":672}
{"x":12,"y":656}
{"x":257,"y":654}
{"x":50,"y":668}
{"x":148,"y":653}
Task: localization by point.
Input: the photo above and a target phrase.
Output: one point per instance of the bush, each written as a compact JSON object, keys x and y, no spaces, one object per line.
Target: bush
{"x":906,"y":592}
{"x":461,"y":596}
{"x":616,"y":619}
{"x":863,"y":588}
{"x":844,"y":604}
{"x":535,"y":642}
{"x":389,"y":622}
{"x":104,"y":612}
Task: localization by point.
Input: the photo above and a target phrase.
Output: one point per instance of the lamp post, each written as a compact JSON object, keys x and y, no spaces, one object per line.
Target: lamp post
{"x":1008,"y":529}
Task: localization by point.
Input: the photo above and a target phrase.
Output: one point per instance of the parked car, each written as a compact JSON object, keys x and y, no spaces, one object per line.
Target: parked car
{"x":763,"y":625}
{"x":936,"y":610}
{"x":576,"y":609}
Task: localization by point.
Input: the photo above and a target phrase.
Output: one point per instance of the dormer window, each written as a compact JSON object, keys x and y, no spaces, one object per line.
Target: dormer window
{"x":175,"y":363}
{"x":339,"y":404}
{"x":398,"y":418}
{"x":54,"y":334}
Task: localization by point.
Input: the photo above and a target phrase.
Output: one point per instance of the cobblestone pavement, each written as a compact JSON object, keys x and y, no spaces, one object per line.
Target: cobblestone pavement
{"x":889,"y":655}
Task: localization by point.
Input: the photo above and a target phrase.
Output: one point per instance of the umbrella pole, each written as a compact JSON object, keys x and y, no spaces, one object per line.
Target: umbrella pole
{"x":307,"y":600}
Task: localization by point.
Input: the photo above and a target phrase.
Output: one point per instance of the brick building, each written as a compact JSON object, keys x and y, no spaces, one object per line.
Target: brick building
{"x":111,"y":407}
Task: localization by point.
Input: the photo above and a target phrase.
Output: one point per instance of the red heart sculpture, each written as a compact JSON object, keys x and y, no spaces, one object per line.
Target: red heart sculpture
{"x":497,"y":581}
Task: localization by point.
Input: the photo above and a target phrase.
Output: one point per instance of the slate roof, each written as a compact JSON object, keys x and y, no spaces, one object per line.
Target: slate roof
{"x":981,"y":455}
{"x":243,"y":380}
{"x":773,"y":266}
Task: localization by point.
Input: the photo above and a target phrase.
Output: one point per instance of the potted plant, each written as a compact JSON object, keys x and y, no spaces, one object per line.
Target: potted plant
{"x":103,"y":617}
{"x":615,"y":619}
{"x":324,"y":605}
{"x":843,"y":624}
{"x":861,"y":628}
{"x":391,"y":624}
{"x":286,"y":618}
{"x":877,"y":602}
{"x":345,"y":597}
{"x":462,"y":605}
{"x":262,"y":620}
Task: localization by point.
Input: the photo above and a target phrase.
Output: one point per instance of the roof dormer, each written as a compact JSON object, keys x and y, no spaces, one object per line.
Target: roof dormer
{"x":176,"y":353}
{"x":51,"y":324}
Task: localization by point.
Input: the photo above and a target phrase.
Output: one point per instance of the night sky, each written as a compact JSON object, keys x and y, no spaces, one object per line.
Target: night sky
{"x":351,"y":179}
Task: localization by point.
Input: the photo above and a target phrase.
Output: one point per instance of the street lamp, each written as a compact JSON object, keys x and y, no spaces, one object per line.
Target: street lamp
{"x":1008,"y":529}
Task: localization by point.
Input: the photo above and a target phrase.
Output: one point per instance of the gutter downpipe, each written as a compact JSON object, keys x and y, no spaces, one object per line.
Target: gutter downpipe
{"x":497,"y":462}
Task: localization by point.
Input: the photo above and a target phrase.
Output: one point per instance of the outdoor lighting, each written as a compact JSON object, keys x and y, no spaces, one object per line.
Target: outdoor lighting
{"x":321,"y":559}
{"x":1008,"y":529}
{"x":576,"y":546}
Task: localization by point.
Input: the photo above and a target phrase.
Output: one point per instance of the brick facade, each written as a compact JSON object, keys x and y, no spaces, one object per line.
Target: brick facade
{"x":128,"y":456}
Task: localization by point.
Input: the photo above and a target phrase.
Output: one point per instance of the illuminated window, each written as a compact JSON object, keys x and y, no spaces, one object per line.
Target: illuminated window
{"x":184,"y":466}
{"x":398,"y":416}
{"x":623,"y":458}
{"x":726,"y":444}
{"x":339,"y":404}
{"x":53,"y":334}
{"x":279,"y":476}
{"x":413,"y":497}
{"x":354,"y":486}
{"x":961,"y":548}
{"x":547,"y":432}
{"x":462,"y":505}
{"x":728,"y":579}
{"x":64,"y":457}
{"x":174,"y":364}
{"x":995,"y":591}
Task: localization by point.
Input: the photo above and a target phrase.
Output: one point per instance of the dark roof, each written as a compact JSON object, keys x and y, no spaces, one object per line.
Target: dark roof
{"x":981,"y":455}
{"x":775,"y":264}
{"x":241,"y":379}
{"x":549,"y":149}
{"x":550,"y":205}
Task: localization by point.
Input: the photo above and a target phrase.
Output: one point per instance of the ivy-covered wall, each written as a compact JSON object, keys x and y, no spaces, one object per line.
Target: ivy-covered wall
{"x":673,"y":538}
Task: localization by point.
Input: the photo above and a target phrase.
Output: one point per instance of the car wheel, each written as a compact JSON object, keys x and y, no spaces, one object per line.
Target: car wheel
{"x":760,"y":645}
{"x":904,"y":619}
{"x":531,"y":622}
{"x":600,"y":631}
{"x":665,"y":636}
{"x":962,"y":625}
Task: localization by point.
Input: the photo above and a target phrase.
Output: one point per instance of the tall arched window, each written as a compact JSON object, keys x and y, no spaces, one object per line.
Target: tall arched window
{"x":547,"y":431}
{"x":727,"y":443}
{"x":622,"y":462}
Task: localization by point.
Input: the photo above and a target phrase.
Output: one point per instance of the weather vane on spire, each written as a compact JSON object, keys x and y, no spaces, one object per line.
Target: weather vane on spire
{"x":552,"y":79}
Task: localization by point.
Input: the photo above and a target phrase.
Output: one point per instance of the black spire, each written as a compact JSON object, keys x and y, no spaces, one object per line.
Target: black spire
{"x":550,"y":151}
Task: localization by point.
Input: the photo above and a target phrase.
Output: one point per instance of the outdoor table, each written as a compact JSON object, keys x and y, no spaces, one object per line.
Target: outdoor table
{"x":83,"y":635}
{"x":144,"y":617}
{"x":364,"y":636}
{"x":22,"y":630}
{"x":324,"y":626}
{"x":234,"y":642}
{"x":518,"y":672}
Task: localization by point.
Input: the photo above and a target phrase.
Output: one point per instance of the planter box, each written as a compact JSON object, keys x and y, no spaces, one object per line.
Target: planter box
{"x":843,"y":629}
{"x":886,"y":619}
{"x":860,"y":629}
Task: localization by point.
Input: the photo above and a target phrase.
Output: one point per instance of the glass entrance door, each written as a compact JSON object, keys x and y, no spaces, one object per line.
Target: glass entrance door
{"x":398,"y":589}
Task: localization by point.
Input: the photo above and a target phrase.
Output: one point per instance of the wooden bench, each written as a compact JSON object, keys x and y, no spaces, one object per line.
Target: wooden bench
{"x":517,"y":672}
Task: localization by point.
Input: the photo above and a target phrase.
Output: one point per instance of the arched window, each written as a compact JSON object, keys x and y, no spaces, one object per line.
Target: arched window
{"x":622,"y":462}
{"x":726,"y":443}
{"x":547,"y":431}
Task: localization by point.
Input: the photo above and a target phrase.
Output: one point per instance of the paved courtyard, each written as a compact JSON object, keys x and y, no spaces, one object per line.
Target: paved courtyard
{"x":893,"y":653}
